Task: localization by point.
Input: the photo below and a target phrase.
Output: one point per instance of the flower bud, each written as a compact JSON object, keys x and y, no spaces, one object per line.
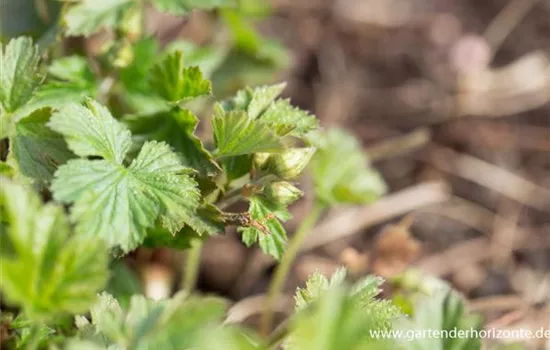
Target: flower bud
{"x":123,"y":56}
{"x":260,"y":159}
{"x":290,"y":163}
{"x":282,"y":192}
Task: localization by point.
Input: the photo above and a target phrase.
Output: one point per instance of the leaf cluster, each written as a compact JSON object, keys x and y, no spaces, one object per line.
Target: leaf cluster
{"x":139,"y":146}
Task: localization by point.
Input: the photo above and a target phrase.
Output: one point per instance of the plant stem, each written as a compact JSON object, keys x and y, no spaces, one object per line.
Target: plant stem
{"x":34,"y":338}
{"x":278,"y":281}
{"x":143,"y":19}
{"x":192,"y":265}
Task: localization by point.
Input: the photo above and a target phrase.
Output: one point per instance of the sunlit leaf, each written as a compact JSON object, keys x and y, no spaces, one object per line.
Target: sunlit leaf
{"x":44,"y":269}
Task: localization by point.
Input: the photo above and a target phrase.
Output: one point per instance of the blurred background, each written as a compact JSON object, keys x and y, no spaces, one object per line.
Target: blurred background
{"x":450,"y":99}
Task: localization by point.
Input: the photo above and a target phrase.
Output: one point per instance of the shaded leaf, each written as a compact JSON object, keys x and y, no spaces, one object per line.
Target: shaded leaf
{"x":74,"y":69}
{"x":236,"y":167}
{"x":123,"y":283}
{"x":174,"y":82}
{"x":134,"y":75}
{"x":211,"y":219}
{"x":37,"y":149}
{"x":176,"y":127}
{"x":207,"y":57}
{"x":19,"y":75}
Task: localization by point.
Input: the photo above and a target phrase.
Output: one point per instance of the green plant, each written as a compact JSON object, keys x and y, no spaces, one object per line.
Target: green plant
{"x":100,"y":156}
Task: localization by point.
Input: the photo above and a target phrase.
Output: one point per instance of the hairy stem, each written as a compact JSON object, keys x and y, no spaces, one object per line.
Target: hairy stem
{"x":281,"y":273}
{"x":192,"y":265}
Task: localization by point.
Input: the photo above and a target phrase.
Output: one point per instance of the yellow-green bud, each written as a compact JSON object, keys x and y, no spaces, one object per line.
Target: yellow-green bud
{"x":290,"y":163}
{"x":260,"y":159}
{"x":282,"y":192}
{"x":123,"y":55}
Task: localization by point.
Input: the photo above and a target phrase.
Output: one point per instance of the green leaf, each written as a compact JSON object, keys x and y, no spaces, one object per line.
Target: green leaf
{"x":262,"y":97}
{"x":333,"y":323}
{"x":236,"y":134}
{"x":341,"y":171}
{"x":316,"y":285}
{"x":19,"y":75}
{"x":211,"y":219}
{"x":74,"y":69}
{"x":246,"y":38}
{"x":176,"y":127}
{"x":236,"y":167}
{"x":162,"y":238}
{"x":254,"y":101}
{"x":70,"y":80}
{"x":115,"y":202}
{"x":134,"y":76}
{"x":118,"y":204}
{"x":91,"y":131}
{"x":89,"y":16}
{"x":37,"y":149}
{"x":42,"y":268}
{"x":240,"y":69}
{"x":442,"y":309}
{"x":148,"y":324}
{"x":56,"y":95}
{"x":181,"y":7}
{"x":207,"y":57}
{"x":285,"y":119}
{"x":333,"y":315}
{"x":174,"y":82}
{"x":265,"y":227}
{"x":123,"y":283}
{"x":24,"y":332}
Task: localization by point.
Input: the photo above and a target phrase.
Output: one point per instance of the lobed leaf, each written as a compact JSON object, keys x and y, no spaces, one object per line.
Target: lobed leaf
{"x":174,"y":82}
{"x":89,"y":16}
{"x":265,"y":227}
{"x":19,"y":75}
{"x":254,"y":101}
{"x":37,"y":149}
{"x":287,"y":119}
{"x":42,"y":268}
{"x":115,"y":202}
{"x":74,"y":69}
{"x":333,"y":315}
{"x":341,"y":171}
{"x":91,"y":131}
{"x":164,"y":324}
{"x":118,"y":204}
{"x":443,"y":309}
{"x":176,"y":127}
{"x":236,"y":134}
